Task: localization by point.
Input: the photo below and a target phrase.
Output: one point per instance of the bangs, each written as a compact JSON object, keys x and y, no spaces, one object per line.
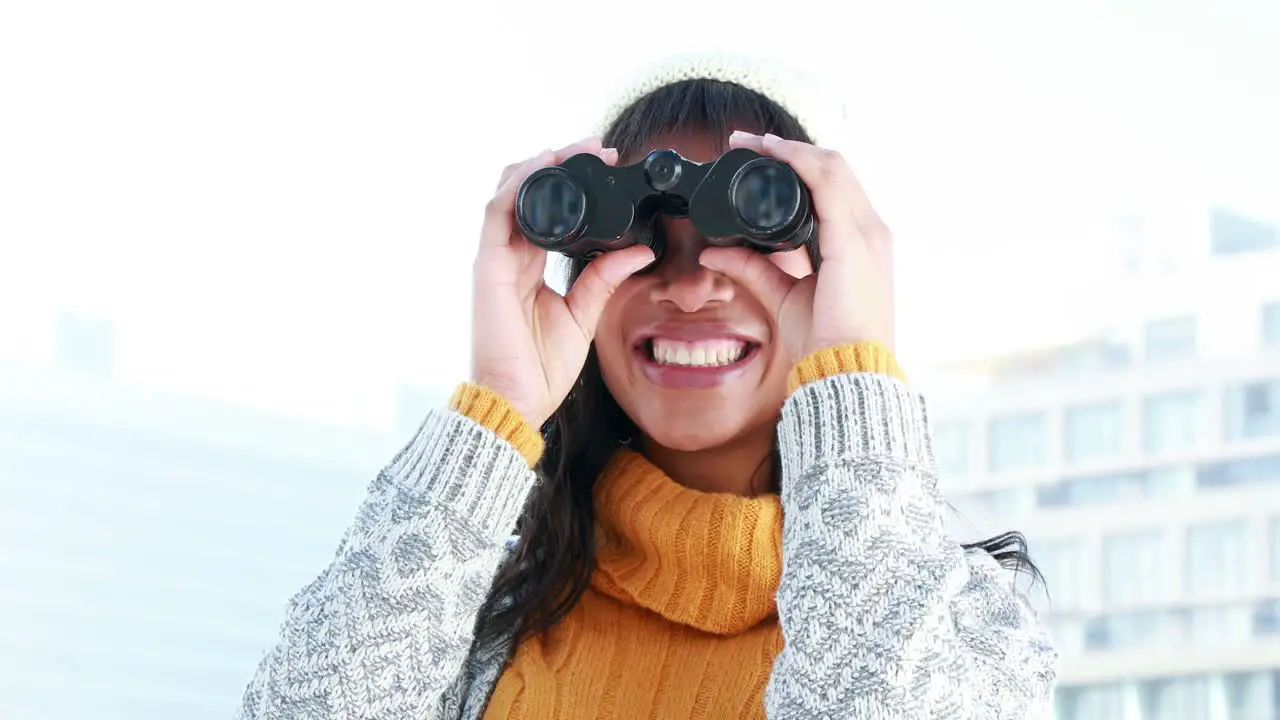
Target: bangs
{"x":710,"y":106}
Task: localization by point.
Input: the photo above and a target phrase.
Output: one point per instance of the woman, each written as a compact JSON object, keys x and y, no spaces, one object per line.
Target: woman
{"x":760,"y":536}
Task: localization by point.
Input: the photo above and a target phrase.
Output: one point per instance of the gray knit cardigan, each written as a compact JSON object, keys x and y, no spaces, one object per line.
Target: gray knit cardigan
{"x":883,"y":614}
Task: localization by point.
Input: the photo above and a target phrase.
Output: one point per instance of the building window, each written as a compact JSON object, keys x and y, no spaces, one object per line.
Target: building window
{"x":1170,"y":422}
{"x":1101,"y":489}
{"x":1233,"y":234}
{"x":1274,"y":542}
{"x":995,"y":506}
{"x":1097,"y":634}
{"x":1218,"y":558}
{"x":1136,"y":568}
{"x":1266,"y":618}
{"x":1017,"y":442}
{"x":1090,"y":358}
{"x":1062,"y":562}
{"x":1170,"y":481}
{"x":1170,"y":339}
{"x":1067,"y":632}
{"x":1260,"y":470}
{"x":1094,"y":490}
{"x":1091,"y":702}
{"x":1253,"y":410}
{"x":1182,"y":697}
{"x":1271,"y":324}
{"x":1128,"y":631}
{"x":1094,"y":432}
{"x":951,"y":443}
{"x":1220,"y":626}
{"x":1249,"y":695}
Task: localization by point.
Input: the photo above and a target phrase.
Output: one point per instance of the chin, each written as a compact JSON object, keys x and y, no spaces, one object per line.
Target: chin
{"x":690,"y":435}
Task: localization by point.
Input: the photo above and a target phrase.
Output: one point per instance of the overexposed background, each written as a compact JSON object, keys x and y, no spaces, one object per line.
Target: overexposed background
{"x":236,"y":241}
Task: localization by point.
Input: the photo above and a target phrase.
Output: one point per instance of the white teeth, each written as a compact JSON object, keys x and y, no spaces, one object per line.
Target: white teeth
{"x":701,"y":353}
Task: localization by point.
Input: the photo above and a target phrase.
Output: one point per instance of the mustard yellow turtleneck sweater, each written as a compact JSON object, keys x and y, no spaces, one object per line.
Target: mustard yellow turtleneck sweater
{"x":679,"y":619}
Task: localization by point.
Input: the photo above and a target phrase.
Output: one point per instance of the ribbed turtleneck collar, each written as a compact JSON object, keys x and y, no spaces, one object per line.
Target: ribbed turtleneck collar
{"x":708,"y":560}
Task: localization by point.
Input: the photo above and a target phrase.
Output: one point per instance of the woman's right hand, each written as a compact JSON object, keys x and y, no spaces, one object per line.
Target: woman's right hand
{"x":529,"y":342}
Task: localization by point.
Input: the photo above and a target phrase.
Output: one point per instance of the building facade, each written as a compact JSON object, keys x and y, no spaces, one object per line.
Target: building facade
{"x":151,"y":543}
{"x":1143,"y":465}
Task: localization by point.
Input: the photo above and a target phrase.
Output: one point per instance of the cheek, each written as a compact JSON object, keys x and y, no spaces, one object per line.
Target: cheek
{"x":620,"y":305}
{"x":611,"y":329}
{"x":795,"y":263}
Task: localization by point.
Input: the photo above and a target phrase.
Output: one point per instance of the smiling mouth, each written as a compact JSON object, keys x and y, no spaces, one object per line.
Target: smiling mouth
{"x":718,"y":353}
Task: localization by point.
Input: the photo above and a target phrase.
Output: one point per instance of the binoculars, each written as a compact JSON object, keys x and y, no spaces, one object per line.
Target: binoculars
{"x":584,"y":207}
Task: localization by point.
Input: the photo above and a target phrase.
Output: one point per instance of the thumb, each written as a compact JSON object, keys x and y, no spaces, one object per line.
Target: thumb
{"x":752,"y":270}
{"x":593,"y":288}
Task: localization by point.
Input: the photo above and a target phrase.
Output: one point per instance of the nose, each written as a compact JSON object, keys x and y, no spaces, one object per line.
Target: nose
{"x":681,"y":279}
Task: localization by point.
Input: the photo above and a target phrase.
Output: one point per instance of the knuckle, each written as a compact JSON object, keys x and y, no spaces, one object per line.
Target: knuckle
{"x":589,"y":278}
{"x":591,"y":285}
{"x":878,"y":232}
{"x":496,"y":209}
{"x":831,"y":165}
{"x":507,"y":172}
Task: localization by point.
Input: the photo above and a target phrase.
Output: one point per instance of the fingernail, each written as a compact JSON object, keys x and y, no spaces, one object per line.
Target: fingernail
{"x":609,"y":155}
{"x":741,"y":135}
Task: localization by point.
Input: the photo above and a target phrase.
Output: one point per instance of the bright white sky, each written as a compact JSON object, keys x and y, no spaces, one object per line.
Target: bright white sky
{"x":277,"y":202}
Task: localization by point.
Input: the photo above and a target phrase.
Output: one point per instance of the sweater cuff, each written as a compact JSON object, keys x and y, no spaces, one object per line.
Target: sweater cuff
{"x":861,"y":415}
{"x":868,"y":357}
{"x":492,"y":411}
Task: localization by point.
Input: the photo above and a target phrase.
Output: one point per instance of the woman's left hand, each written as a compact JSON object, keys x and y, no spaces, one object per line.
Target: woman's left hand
{"x":850,"y":298}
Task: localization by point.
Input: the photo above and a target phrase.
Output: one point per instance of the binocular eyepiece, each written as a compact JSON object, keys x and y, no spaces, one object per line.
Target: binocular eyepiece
{"x":584,"y":207}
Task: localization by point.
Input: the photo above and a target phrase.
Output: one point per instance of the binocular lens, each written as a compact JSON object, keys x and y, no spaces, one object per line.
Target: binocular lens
{"x":766,"y":196}
{"x":552,"y":206}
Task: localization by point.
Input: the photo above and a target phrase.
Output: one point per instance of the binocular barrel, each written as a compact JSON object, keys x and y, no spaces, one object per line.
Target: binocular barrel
{"x":583,"y":206}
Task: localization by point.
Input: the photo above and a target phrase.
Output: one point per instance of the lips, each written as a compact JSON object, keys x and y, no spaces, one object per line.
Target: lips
{"x":693,"y":357}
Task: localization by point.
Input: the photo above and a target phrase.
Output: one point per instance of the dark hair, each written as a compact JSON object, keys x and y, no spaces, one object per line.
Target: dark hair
{"x":555,"y":557}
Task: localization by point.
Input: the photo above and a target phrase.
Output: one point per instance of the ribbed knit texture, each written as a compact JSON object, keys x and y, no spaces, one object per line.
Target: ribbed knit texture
{"x":884,"y":616}
{"x":707,"y":560}
{"x":383,"y":632}
{"x":871,"y":357}
{"x":679,"y":621}
{"x":494,"y":412}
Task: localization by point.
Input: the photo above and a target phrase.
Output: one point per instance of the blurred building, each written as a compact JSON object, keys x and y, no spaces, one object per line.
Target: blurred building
{"x":1143,"y":464}
{"x":150,"y":542}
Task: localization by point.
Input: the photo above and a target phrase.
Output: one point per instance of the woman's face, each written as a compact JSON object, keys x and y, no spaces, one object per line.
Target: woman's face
{"x":689,"y":355}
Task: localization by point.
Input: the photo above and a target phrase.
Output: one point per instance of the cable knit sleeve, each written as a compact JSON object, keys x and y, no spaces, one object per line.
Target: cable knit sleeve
{"x":883,"y":614}
{"x":385,"y":630}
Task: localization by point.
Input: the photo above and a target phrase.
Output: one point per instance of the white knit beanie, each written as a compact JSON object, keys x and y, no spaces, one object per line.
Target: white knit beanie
{"x":820,"y":110}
